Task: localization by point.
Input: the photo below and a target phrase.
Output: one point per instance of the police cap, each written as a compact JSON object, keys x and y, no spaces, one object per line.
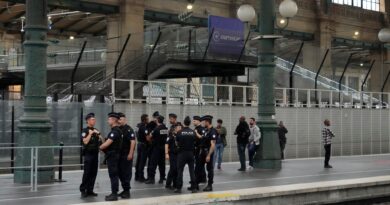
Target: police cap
{"x":121,"y":114}
{"x":172,"y":115}
{"x":156,"y":114}
{"x":207,"y":117}
{"x":90,"y":115}
{"x":114,"y":115}
{"x":197,"y":118}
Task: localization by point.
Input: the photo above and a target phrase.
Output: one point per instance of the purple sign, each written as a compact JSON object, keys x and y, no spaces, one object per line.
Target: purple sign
{"x":228,"y":35}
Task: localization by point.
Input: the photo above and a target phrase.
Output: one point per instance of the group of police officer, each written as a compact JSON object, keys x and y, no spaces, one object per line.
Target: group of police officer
{"x":179,"y":144}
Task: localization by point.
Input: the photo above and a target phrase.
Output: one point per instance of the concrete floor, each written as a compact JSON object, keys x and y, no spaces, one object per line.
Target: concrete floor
{"x":293,"y":172}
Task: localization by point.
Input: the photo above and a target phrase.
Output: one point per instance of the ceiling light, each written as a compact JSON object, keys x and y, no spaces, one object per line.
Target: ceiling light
{"x":356,"y":33}
{"x":282,"y":21}
{"x":189,"y":7}
{"x":71,"y":37}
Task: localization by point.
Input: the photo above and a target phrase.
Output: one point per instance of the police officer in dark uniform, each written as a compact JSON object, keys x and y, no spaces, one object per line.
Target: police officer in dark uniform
{"x":126,"y":156}
{"x":171,"y":151}
{"x":143,"y":149}
{"x":207,"y":147}
{"x":200,"y":172}
{"x":91,"y":141}
{"x":112,"y":147}
{"x":158,"y":138}
{"x":150,"y":127}
{"x":185,"y":139}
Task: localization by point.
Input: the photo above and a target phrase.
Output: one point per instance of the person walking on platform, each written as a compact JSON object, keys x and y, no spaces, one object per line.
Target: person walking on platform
{"x":126,"y":156}
{"x":185,"y":139}
{"x":143,"y":149}
{"x":282,"y":131}
{"x":91,"y":139}
{"x":112,"y":147}
{"x":243,"y":133}
{"x":220,"y":143}
{"x":158,"y":138}
{"x":171,"y":151}
{"x":207,"y":147}
{"x":327,"y":136}
{"x":200,"y":172}
{"x":254,"y":140}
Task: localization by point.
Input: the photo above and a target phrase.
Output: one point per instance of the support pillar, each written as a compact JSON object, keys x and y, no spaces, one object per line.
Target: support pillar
{"x":268,"y":155}
{"x":35,"y":123}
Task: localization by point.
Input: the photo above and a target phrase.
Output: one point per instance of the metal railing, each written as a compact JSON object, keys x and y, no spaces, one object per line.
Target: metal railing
{"x":35,"y":163}
{"x":165,"y":92}
{"x":17,"y":61}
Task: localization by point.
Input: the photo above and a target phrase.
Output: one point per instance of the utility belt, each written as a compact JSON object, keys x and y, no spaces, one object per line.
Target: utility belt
{"x":110,"y":154}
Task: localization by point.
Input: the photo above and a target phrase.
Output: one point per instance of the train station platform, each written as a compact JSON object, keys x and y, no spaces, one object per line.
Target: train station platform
{"x":300,"y":181}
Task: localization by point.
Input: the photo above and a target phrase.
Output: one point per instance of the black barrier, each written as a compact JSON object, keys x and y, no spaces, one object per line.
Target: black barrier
{"x":60,"y":163}
{"x":12,"y":138}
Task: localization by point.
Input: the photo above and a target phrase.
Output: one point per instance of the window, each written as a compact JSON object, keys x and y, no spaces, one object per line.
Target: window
{"x":364,"y":4}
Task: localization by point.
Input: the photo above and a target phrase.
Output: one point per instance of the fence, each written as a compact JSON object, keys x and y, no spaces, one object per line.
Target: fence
{"x":165,"y":92}
{"x":358,"y":131}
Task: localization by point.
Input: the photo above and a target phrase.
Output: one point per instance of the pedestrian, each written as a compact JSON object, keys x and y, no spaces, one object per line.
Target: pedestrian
{"x":126,"y":156}
{"x":254,"y":140}
{"x":112,"y":147}
{"x":220,"y":143}
{"x":91,"y":141}
{"x":243,"y":133}
{"x":200,"y":172}
{"x":185,"y":139}
{"x":327,"y":136}
{"x":158,"y":139}
{"x":282,"y":131}
{"x":171,"y":151}
{"x":143,"y":149}
{"x":207,"y":148}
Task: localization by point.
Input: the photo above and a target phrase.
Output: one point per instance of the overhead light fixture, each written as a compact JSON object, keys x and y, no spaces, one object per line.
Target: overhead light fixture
{"x":190,"y":7}
{"x":282,"y":21}
{"x":356,"y":33}
{"x":361,"y":64}
{"x":71,"y":37}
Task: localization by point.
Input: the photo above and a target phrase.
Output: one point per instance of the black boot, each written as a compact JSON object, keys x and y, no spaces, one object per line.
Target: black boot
{"x":208,"y":188}
{"x":125,"y":194}
{"x":195,"y":187}
{"x":141,"y":179}
{"x":84,"y":194}
{"x":112,"y":197}
{"x":177,"y":191}
{"x":149,"y":181}
{"x":91,"y":193}
{"x":161,"y":181}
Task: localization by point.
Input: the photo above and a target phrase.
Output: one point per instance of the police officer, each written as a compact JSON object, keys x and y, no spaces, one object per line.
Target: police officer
{"x":207,"y":147}
{"x":171,"y":151}
{"x":200,"y":172}
{"x":185,"y":139}
{"x":157,"y":138}
{"x":126,"y":156}
{"x":143,"y":149}
{"x":150,"y":127}
{"x":91,"y":141}
{"x":112,"y":147}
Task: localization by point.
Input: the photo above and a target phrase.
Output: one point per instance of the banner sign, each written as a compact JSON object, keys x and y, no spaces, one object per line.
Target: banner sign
{"x":228,"y":36}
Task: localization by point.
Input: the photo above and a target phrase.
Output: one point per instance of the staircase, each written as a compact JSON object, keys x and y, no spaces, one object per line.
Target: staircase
{"x":172,"y":58}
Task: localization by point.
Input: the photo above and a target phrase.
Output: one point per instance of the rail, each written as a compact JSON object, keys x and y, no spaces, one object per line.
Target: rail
{"x":165,"y":92}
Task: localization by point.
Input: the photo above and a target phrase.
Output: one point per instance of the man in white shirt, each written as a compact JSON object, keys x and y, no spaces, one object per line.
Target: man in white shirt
{"x":254,"y":140}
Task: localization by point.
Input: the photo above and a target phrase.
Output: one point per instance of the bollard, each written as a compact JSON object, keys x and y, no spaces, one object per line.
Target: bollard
{"x":60,"y":163}
{"x":81,"y":141}
{"x":12,"y":138}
